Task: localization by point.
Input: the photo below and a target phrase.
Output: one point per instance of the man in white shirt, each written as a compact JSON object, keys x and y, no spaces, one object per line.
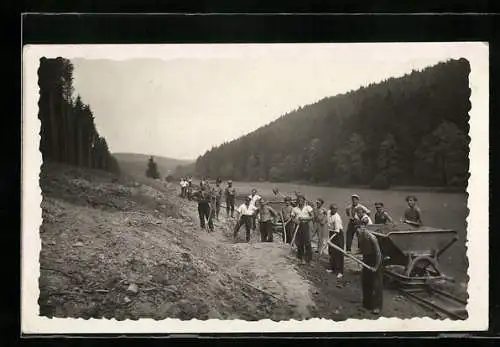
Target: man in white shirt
{"x":302,"y":216}
{"x":182,"y":187}
{"x":244,"y":215}
{"x":352,"y":215}
{"x":254,"y":197}
{"x":363,"y":217}
{"x":336,"y":230}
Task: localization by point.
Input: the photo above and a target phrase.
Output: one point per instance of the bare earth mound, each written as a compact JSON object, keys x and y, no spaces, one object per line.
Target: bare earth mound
{"x":115,"y":248}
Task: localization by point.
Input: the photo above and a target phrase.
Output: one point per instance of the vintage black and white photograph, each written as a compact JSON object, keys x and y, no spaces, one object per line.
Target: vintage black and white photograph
{"x":277,"y":182}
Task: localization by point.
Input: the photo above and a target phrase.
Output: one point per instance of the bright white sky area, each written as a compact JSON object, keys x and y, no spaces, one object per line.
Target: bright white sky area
{"x":178,"y":101}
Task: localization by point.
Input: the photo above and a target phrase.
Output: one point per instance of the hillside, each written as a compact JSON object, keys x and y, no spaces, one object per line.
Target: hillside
{"x":136,"y":164}
{"x":403,"y":131}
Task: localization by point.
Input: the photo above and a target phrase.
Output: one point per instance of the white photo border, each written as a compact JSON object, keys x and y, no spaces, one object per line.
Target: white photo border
{"x":477,"y":53}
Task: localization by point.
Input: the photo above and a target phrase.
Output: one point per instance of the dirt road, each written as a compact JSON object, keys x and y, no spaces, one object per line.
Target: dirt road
{"x":120,"y":249}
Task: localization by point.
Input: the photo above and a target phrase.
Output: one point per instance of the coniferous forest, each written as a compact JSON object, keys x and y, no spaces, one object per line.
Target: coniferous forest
{"x":411,"y":130}
{"x":68,"y":133}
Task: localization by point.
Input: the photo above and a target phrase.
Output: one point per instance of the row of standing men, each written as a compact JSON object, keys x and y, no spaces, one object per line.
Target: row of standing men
{"x":302,"y":222}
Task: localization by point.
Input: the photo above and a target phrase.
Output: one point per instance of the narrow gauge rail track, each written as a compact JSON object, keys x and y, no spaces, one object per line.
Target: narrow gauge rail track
{"x":442,"y":303}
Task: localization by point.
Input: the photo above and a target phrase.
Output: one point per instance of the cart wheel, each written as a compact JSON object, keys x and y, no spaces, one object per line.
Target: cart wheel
{"x":423,"y":266}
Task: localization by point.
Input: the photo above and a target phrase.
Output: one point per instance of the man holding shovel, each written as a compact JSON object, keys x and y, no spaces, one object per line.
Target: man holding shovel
{"x":205,"y":208}
{"x":289,"y":226}
{"x":303,"y":215}
{"x":336,"y":234}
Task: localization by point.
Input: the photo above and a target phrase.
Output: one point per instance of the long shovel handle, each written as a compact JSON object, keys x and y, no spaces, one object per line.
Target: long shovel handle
{"x":283,"y":224}
{"x":294,"y":235}
{"x":373,"y":269}
{"x":326,"y":243}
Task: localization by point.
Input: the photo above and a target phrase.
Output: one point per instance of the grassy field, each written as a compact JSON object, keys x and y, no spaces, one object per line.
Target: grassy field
{"x":442,"y":210}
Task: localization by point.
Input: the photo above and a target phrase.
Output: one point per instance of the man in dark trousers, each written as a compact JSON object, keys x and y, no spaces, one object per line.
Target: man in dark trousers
{"x":217,"y":197}
{"x":353,"y":220}
{"x":303,"y":215}
{"x":267,"y":216}
{"x":371,"y":281}
{"x":245,"y":215}
{"x":336,"y":233}
{"x":286,"y":212}
{"x":205,"y":207}
{"x":230,"y":194}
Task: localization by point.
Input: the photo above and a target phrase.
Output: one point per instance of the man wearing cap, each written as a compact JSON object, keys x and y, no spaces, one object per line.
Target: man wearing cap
{"x":353,"y":218}
{"x":245,"y":214}
{"x":371,"y":281}
{"x":303,"y":215}
{"x":230,"y":194}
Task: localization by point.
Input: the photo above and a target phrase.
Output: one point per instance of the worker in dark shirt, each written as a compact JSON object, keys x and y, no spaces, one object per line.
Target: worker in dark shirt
{"x":412,"y":214}
{"x":205,"y":207}
{"x":267,"y":217}
{"x":230,"y":195}
{"x":286,"y":213}
{"x":381,"y":215}
{"x":371,"y":281}
{"x":217,"y":197}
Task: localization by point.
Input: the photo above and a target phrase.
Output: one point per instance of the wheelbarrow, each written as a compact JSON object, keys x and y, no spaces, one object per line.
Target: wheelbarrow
{"x":410,"y":254}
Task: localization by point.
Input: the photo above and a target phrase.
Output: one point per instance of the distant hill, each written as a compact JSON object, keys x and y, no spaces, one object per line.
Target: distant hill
{"x":410,"y":130}
{"x":136,"y":164}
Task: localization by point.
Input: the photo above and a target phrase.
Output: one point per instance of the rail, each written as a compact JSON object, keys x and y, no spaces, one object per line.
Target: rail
{"x":442,"y":303}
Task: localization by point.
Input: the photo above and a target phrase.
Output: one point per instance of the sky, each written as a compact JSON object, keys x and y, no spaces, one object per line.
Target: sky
{"x":181,"y":102}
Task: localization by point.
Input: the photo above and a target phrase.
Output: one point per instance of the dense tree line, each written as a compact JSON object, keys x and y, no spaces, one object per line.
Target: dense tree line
{"x":68,"y":133}
{"x":406,"y":131}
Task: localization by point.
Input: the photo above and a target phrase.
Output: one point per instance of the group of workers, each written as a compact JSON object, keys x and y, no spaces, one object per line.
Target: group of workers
{"x":302,"y":221}
{"x":186,"y":187}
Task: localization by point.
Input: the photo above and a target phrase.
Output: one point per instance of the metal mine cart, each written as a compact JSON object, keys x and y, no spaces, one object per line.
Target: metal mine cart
{"x":410,"y":254}
{"x":410,"y":259}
